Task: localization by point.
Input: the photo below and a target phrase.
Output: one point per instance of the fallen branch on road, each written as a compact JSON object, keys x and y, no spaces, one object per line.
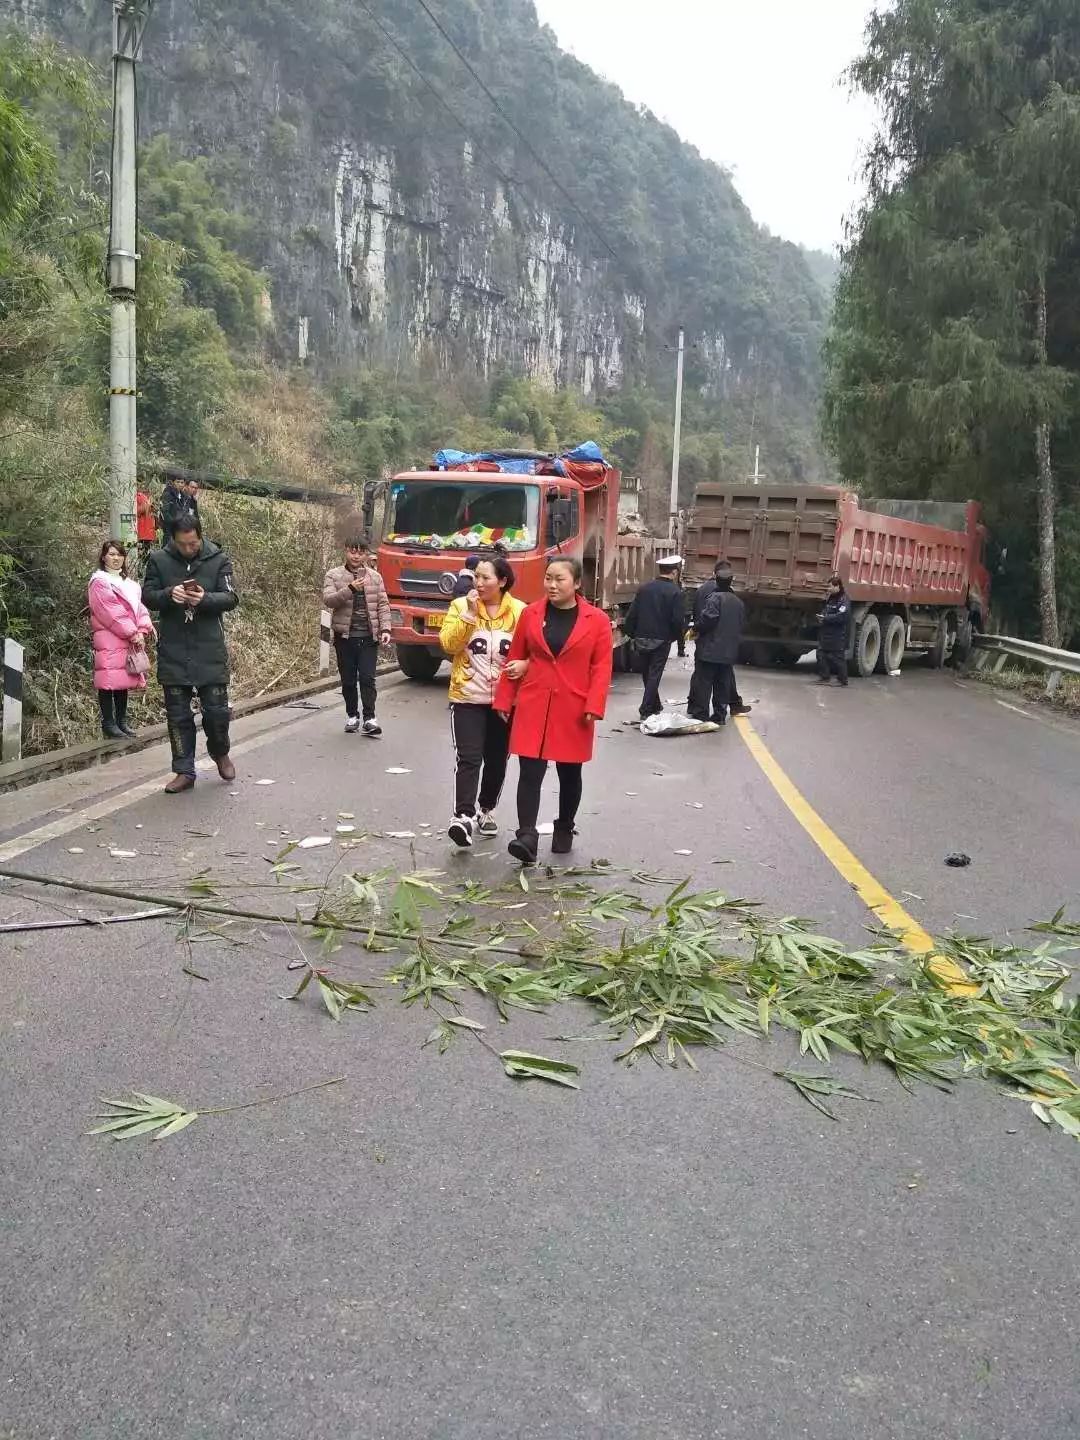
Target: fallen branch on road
{"x":680,"y":975}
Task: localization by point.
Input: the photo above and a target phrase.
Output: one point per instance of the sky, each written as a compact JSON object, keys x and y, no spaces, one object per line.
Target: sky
{"x":754,"y":84}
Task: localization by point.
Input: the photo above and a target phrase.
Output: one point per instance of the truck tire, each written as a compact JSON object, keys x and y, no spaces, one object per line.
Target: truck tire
{"x":893,"y":640}
{"x":417,"y":662}
{"x":941,"y":649}
{"x":965,"y":641}
{"x":867,"y":645}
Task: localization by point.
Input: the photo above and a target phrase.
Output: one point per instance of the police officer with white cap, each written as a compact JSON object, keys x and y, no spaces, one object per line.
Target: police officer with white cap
{"x":656,"y":618}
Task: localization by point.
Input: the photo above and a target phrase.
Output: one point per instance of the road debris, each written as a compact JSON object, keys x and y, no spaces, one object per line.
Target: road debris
{"x":958,"y":860}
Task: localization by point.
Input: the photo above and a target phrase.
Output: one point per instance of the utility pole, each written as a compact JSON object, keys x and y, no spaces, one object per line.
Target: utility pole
{"x":673,"y":518}
{"x":129,"y":21}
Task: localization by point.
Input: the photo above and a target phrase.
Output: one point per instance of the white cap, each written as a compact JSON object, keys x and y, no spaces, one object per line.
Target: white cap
{"x":668,"y":562}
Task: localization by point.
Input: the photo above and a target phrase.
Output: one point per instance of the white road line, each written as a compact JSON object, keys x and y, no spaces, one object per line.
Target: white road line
{"x":1017,"y":710}
{"x":65,"y":824}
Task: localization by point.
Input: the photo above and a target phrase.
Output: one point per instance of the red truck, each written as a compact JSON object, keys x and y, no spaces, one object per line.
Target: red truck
{"x":914,"y":570}
{"x":435,"y":518}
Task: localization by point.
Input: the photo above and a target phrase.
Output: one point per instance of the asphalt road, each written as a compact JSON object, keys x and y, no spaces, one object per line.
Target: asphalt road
{"x":430,"y":1252}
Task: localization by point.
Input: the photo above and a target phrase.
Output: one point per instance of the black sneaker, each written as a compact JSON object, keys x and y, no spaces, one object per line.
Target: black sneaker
{"x":460,"y":831}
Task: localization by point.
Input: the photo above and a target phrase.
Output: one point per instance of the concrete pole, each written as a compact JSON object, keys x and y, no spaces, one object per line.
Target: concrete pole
{"x":129,"y":20}
{"x":673,"y":518}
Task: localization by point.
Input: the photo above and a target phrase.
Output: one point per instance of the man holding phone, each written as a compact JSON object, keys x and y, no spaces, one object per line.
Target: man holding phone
{"x":190,"y":582}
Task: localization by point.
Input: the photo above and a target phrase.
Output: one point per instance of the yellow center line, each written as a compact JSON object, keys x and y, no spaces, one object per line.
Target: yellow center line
{"x":869,"y":890}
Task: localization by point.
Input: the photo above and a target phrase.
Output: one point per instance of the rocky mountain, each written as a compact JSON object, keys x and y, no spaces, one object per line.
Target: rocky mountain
{"x":434,"y":185}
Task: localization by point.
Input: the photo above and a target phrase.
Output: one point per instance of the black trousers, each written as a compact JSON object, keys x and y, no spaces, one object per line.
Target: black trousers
{"x":712,"y":690}
{"x":652,"y":672}
{"x":832,"y":662}
{"x":113,"y":706}
{"x":214,"y":703}
{"x":357,"y":659}
{"x":530,"y":781}
{"x":480,"y":742}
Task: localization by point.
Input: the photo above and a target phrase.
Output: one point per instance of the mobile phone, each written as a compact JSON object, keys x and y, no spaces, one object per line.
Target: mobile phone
{"x":192,"y":585}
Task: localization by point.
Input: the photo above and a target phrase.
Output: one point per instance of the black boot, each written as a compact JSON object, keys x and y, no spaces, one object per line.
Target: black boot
{"x":523,"y":846}
{"x":120,"y":700}
{"x":562,"y":839}
{"x":109,"y":727}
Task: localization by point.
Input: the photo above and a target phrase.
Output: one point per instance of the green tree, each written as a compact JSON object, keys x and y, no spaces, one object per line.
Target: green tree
{"x":953,"y":360}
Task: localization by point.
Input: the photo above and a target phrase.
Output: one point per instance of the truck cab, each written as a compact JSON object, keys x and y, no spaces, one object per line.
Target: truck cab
{"x":434,"y":519}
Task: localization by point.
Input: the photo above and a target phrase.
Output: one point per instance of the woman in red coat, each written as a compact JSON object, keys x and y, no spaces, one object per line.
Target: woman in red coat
{"x":566,"y":644}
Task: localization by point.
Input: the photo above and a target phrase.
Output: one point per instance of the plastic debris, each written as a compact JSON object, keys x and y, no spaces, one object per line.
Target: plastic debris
{"x":123,"y":854}
{"x":401,"y":834}
{"x":674,"y":722}
{"x":958,"y":860}
{"x":265,"y":782}
{"x":398,"y":770}
{"x":313,"y":842}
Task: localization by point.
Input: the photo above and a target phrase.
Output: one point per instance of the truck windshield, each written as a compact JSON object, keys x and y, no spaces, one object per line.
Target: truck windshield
{"x":463,"y":514}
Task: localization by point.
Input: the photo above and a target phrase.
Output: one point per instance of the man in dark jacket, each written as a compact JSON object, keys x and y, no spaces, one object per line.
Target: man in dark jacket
{"x":656,"y":618}
{"x":718,"y":625}
{"x":833,"y":634}
{"x":190,"y":581}
{"x":179,"y":497}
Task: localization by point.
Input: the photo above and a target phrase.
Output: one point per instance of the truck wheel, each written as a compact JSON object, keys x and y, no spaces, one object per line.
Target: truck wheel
{"x":418,"y":662}
{"x":893,"y":639}
{"x":942,"y":647}
{"x":965,"y":638}
{"x":867,"y":645}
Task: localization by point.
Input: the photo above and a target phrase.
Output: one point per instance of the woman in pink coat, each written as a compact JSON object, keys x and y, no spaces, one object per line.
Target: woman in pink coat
{"x":120,"y":623}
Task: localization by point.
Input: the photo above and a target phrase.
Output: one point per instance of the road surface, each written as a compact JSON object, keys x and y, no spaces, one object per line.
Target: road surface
{"x":430,"y":1252}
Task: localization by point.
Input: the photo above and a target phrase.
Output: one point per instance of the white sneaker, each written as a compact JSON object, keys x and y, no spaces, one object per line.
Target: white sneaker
{"x":352,"y":724}
{"x":372,"y":727}
{"x":461,"y":831}
{"x":487,"y":824}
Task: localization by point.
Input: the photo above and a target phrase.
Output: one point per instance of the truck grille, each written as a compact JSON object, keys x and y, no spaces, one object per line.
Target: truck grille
{"x":422,"y":582}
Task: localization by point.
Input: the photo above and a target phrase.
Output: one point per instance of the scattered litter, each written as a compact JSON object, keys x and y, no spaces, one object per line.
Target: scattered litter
{"x":76,"y":850}
{"x":301,"y":705}
{"x":234,"y":793}
{"x":694,"y":805}
{"x":632,"y":793}
{"x":345,"y":815}
{"x":548,"y":828}
{"x":674,"y":722}
{"x":265,"y":782}
{"x":401,"y":834}
{"x":398,"y":770}
{"x":138,"y":827}
{"x":123,"y":854}
{"x":345,"y":829}
{"x":682,"y":852}
{"x":312,"y":842}
{"x":958,"y":860}
{"x":911,"y":894}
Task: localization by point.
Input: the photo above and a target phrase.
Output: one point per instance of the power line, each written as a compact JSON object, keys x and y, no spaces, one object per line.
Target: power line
{"x":392,"y":40}
{"x":537,"y":157}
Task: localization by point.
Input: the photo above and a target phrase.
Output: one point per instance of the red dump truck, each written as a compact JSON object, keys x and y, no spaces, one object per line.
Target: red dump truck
{"x":914,"y":570}
{"x":435,"y":518}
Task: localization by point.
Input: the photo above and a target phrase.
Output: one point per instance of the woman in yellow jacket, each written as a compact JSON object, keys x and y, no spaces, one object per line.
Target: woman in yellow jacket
{"x":477,"y":633}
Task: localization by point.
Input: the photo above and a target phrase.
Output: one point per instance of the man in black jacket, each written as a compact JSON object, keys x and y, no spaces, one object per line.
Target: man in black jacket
{"x":656,"y":618}
{"x":835,"y":621}
{"x":190,"y":581}
{"x":718,"y":625}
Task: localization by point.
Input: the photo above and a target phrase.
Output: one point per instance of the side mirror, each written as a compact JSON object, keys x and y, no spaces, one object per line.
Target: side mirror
{"x":561,"y":514}
{"x":368,"y":507}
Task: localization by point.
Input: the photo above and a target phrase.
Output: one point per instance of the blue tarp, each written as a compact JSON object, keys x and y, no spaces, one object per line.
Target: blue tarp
{"x":589,"y":451}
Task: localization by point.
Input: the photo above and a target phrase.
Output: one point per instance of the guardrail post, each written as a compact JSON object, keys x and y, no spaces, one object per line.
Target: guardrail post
{"x":1053,"y":680}
{"x":981,"y":657}
{"x":11,"y":746}
{"x":324,"y":642}
{"x":1000,"y":662}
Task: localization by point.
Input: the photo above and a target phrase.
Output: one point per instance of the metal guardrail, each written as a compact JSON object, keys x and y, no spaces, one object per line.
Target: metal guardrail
{"x":993,"y":651}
